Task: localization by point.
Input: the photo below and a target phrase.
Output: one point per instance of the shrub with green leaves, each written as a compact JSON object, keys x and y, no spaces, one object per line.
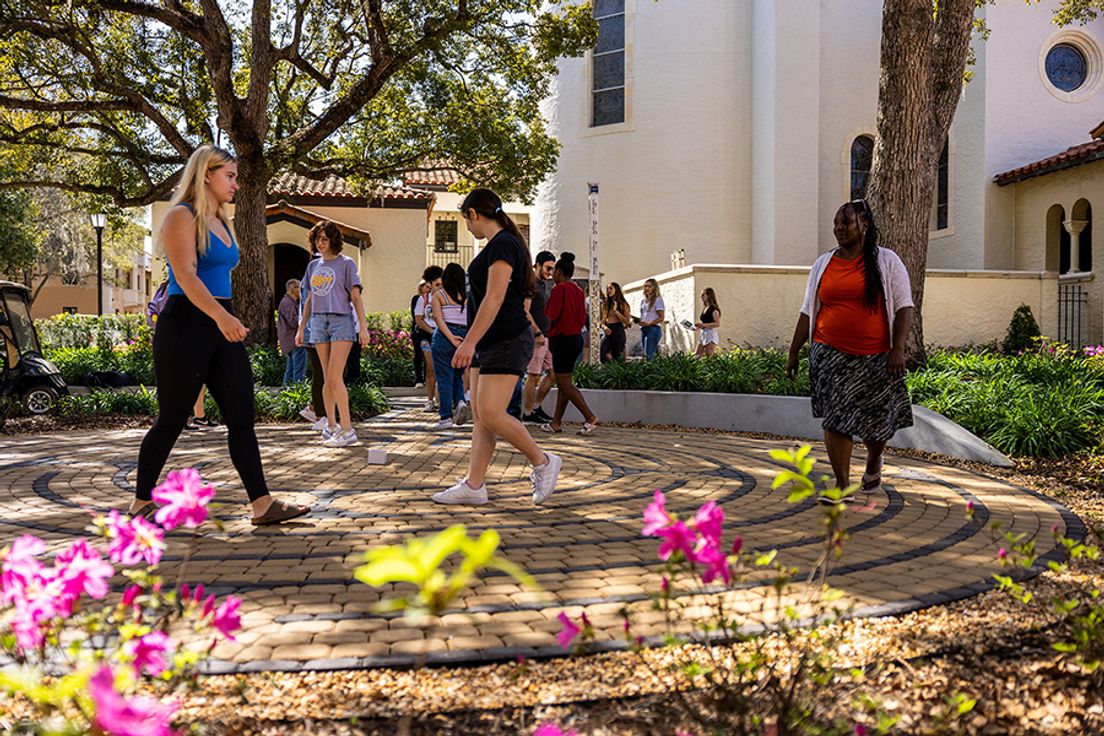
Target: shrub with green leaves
{"x":1023,"y":331}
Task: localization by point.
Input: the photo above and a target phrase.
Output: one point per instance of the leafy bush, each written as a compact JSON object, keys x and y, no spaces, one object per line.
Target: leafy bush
{"x":134,"y":356}
{"x":101,"y":402}
{"x":83,"y":330}
{"x":389,"y":344}
{"x":267,"y":364}
{"x":386,"y":371}
{"x":76,"y":656}
{"x":1023,"y":331}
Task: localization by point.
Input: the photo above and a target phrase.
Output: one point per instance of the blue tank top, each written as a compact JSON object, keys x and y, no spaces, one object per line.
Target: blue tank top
{"x":214,"y":267}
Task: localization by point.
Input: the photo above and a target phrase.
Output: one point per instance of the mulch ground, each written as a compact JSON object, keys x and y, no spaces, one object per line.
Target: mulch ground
{"x":989,"y":648}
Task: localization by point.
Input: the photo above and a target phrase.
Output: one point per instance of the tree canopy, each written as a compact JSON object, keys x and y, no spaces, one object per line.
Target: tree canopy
{"x":110,"y":97}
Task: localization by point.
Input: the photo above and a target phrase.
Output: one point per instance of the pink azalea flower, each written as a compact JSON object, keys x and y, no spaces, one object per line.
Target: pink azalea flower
{"x":715,"y":562}
{"x":569,"y":632}
{"x":709,"y":521}
{"x":677,"y":538}
{"x":129,"y":595}
{"x":21,"y":567}
{"x":184,"y":499}
{"x":737,"y":545}
{"x":655,"y":515}
{"x":226,"y":618}
{"x":551,"y":729}
{"x":82,"y":569}
{"x":1002,"y":554}
{"x":860,"y":729}
{"x":150,"y":653}
{"x":130,"y":541}
{"x":119,"y":716}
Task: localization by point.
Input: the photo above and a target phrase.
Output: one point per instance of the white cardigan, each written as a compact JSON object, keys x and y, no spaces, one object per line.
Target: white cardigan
{"x":895,"y":286}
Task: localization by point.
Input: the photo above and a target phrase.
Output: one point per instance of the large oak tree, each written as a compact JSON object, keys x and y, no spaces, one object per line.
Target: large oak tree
{"x":924,"y":52}
{"x":110,"y":97}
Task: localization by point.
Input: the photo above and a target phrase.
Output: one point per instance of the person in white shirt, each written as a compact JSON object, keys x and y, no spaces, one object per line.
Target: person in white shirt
{"x":652,"y":311}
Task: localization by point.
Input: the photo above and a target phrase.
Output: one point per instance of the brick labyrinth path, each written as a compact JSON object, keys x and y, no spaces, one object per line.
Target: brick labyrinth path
{"x":302,"y":609}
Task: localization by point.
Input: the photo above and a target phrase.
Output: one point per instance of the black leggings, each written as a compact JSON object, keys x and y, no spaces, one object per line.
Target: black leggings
{"x":613,"y":344}
{"x":416,"y":336}
{"x":188,"y":352}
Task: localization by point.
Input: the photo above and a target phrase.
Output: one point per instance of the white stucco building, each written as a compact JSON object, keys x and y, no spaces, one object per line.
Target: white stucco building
{"x":733,"y":129}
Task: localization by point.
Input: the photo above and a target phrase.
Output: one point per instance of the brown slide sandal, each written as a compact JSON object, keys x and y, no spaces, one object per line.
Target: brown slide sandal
{"x":278,"y":512}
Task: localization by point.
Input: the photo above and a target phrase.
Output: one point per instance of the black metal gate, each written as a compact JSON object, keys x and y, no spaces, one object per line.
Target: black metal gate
{"x":1073,"y":299}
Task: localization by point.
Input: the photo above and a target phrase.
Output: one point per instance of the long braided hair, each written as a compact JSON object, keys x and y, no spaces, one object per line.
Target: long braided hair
{"x":874,"y":291}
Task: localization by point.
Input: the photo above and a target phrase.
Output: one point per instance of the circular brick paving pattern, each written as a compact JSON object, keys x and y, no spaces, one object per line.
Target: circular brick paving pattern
{"x":913,"y":547}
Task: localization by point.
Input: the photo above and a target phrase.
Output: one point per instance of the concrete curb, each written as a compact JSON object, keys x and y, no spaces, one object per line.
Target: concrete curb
{"x":785,"y":415}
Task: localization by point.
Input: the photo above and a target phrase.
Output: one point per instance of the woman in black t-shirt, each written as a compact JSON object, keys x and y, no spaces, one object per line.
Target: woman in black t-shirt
{"x":500,"y":278}
{"x":707,"y":324}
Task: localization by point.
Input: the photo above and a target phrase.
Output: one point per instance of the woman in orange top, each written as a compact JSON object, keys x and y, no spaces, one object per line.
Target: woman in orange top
{"x":857,"y":357}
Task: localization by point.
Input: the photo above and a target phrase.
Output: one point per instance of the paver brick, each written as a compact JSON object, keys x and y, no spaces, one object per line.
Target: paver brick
{"x":301,"y":605}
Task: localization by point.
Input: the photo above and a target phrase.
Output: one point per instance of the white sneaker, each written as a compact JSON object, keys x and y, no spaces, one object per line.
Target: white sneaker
{"x":342,"y":439}
{"x":328,"y":432}
{"x":445,"y":423}
{"x":430,"y":406}
{"x":462,"y":415}
{"x":419,"y":385}
{"x":307,"y":413}
{"x":544,"y":477}
{"x":462,"y":493}
{"x":320,"y":424}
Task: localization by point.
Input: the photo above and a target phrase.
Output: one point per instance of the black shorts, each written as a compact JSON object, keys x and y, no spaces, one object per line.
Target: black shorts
{"x":508,"y":357}
{"x":565,"y":351}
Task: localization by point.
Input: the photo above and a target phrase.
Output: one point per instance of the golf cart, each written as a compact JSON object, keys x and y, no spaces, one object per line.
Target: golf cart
{"x":24,"y":373}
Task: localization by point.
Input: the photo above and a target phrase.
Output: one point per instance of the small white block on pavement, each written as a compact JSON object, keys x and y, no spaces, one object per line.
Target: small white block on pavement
{"x":377,"y":456}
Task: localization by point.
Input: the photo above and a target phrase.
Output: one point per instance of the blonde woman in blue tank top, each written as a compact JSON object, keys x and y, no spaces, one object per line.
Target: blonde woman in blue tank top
{"x":199,"y":339}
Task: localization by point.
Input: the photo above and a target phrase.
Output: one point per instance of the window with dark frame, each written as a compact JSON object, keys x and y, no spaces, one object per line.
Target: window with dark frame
{"x":862,"y":158}
{"x":942,"y":191}
{"x":608,"y":69}
{"x":445,"y":236}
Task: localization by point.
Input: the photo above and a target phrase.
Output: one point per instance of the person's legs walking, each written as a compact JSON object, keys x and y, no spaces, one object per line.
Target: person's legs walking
{"x":492,"y":399}
{"x":179,"y":372}
{"x":231,"y":382}
{"x":335,"y":382}
{"x":318,"y":381}
{"x":839,"y":448}
{"x":442,"y":353}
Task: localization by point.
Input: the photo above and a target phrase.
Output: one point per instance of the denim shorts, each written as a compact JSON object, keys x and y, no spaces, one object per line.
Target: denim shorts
{"x":331,"y":327}
{"x":509,"y":357}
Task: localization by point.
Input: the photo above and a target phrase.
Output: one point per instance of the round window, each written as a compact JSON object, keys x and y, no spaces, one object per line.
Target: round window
{"x":1066,"y":67}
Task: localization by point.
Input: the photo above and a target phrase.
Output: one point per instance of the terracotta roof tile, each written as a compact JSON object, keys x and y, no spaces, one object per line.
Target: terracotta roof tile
{"x":1075,"y":156}
{"x":294,"y":185}
{"x":435,"y":173}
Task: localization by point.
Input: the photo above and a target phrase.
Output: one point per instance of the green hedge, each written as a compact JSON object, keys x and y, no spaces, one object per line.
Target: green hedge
{"x":364,"y":402}
{"x":1048,"y":402}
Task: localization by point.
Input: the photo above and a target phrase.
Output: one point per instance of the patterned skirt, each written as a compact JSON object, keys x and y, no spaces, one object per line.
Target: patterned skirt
{"x":854,"y":394}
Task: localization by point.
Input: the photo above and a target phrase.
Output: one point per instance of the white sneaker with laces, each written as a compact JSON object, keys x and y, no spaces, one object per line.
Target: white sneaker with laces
{"x":445,"y":423}
{"x":462,"y":415}
{"x":462,"y":493}
{"x":430,"y":406}
{"x":328,"y":432}
{"x":342,"y":439}
{"x":419,"y":385}
{"x":320,"y":424}
{"x":307,"y":413}
{"x":544,"y":477}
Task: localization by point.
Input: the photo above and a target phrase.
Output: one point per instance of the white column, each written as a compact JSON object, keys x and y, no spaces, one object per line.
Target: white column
{"x":1074,"y":228}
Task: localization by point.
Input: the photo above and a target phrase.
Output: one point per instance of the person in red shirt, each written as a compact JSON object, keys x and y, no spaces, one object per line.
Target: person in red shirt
{"x":566,"y":310}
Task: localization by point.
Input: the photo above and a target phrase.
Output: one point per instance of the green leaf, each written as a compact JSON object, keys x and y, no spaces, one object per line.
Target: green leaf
{"x":766,"y":558}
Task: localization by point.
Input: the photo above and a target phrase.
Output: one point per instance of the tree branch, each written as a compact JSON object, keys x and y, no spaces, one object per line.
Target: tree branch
{"x":21,"y":103}
{"x":118,"y":196}
{"x":950,"y":47}
{"x":383,"y":68}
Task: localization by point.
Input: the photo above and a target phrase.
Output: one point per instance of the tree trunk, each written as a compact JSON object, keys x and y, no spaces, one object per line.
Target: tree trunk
{"x":921,"y":78}
{"x":252,"y":296}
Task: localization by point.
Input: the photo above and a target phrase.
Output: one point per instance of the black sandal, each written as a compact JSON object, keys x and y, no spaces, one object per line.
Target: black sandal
{"x":146,"y":512}
{"x":278,"y":512}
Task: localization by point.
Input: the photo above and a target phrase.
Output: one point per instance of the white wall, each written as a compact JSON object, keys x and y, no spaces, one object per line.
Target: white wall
{"x":675,"y":175}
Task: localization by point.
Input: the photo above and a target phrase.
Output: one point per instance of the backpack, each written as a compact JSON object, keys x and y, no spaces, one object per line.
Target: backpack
{"x":157,"y":303}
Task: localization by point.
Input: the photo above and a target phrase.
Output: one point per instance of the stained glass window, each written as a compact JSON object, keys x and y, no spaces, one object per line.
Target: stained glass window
{"x":1066,"y":67}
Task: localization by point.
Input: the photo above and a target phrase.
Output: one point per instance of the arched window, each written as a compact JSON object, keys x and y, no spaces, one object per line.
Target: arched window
{"x":862,"y":158}
{"x":1081,"y":217}
{"x":1057,"y":240}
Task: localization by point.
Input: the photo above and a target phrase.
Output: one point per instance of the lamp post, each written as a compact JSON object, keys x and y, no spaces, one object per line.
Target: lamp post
{"x":99,"y":221}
